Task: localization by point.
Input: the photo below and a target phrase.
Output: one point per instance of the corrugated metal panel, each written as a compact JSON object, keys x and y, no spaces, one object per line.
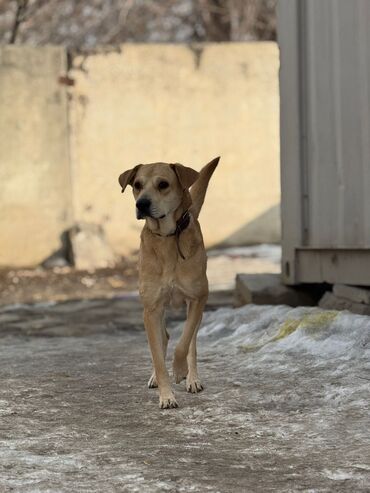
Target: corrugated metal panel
{"x":325,"y":92}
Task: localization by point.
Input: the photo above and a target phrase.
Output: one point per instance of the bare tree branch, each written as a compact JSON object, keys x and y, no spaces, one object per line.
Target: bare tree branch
{"x":78,"y":24}
{"x":18,"y":19}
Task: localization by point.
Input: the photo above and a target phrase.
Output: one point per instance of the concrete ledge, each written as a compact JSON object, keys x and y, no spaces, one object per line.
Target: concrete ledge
{"x":352,"y":293}
{"x":268,"y":289}
{"x":332,"y":302}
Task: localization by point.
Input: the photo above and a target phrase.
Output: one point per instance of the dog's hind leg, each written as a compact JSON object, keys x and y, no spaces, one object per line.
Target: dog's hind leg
{"x":152,"y":384}
{"x":193,"y":383}
{"x":183,"y":361}
{"x":153,"y":326}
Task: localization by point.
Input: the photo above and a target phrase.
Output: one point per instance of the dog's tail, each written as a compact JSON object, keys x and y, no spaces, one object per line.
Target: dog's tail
{"x":199,"y":188}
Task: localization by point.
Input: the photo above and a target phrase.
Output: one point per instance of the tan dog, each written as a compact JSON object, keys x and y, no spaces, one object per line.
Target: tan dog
{"x":172,"y":263}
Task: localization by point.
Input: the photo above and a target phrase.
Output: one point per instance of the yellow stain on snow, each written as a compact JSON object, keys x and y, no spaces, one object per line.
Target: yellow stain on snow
{"x":311,"y":322}
{"x":288,"y":327}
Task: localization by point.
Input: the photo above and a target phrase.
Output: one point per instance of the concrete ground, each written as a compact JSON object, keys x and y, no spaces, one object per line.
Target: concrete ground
{"x":275,"y":416}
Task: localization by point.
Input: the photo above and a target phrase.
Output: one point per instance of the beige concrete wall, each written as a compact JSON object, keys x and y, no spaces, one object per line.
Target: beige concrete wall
{"x":173,"y":103}
{"x":60,"y":157}
{"x":35,"y":193}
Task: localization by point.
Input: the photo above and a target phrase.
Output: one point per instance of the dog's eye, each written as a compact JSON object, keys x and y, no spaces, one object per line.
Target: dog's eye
{"x":162,"y":185}
{"x":138,"y":185}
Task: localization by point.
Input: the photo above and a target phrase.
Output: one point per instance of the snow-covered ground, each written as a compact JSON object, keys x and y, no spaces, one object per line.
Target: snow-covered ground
{"x":276,"y":329}
{"x":303,"y":376}
{"x":287,"y":339}
{"x":294,"y":340}
{"x":262,"y":250}
{"x":285,"y":406}
{"x":224,"y":264}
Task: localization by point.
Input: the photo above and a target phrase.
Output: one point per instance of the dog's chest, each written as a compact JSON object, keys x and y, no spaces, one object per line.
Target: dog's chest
{"x":176,"y":292}
{"x":175,"y":285}
{"x":172,"y":284}
{"x":166,"y":278}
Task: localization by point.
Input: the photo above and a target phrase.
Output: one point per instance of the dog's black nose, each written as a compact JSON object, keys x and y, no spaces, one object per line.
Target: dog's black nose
{"x":143,"y":205}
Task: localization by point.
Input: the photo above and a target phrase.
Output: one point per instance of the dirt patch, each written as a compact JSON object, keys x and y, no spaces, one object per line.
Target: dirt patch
{"x":65,"y":283}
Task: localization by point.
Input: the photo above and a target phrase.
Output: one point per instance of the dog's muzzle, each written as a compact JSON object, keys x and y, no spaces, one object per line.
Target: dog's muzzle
{"x":143,"y":208}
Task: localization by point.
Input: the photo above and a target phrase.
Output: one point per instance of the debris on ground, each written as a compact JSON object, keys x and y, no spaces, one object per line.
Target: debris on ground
{"x":66,"y":283}
{"x":63,"y":282}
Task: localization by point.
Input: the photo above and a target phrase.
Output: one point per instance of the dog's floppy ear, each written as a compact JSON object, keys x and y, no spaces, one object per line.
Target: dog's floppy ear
{"x":128,"y":177}
{"x":186,"y":176}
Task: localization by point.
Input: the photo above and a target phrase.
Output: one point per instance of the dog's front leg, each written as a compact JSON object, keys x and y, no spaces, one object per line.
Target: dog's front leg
{"x":153,"y":326}
{"x":152,"y":384}
{"x":180,"y":362}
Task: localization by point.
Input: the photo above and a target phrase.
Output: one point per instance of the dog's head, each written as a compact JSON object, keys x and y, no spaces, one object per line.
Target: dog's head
{"x":158,"y":188}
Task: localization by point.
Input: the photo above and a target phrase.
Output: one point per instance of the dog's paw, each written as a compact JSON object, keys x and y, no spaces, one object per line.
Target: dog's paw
{"x":167,"y":401}
{"x":152,"y":383}
{"x":193,"y":385}
{"x":180,"y":369}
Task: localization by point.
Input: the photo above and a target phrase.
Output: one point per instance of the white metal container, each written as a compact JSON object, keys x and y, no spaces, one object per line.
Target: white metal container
{"x":325,"y":140}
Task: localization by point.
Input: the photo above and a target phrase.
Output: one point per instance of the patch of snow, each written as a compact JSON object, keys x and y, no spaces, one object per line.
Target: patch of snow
{"x":22,"y":306}
{"x":271,"y":329}
{"x":224,"y":264}
{"x":266,"y":251}
{"x":338,"y":475}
